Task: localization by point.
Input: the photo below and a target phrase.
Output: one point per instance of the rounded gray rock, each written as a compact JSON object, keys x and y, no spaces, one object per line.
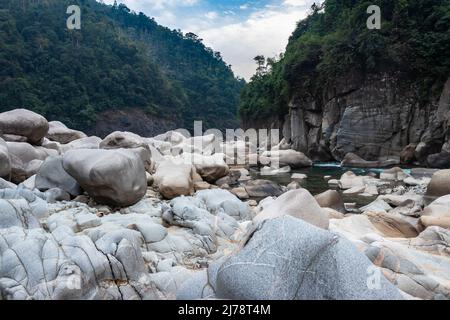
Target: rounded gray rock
{"x":289,"y":259}
{"x":51,"y":175}
{"x":24,"y":123}
{"x":5,"y":161}
{"x":112,"y":177}
{"x":59,"y":132}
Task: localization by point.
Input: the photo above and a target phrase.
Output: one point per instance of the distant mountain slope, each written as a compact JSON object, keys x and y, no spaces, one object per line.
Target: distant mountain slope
{"x":119,"y":60}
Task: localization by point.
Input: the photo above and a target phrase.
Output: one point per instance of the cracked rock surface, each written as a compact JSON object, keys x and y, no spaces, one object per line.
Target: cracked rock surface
{"x":70,"y":250}
{"x":300,"y":262}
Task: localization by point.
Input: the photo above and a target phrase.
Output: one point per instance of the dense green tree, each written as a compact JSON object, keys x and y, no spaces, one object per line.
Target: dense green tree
{"x":334,"y":40}
{"x":119,"y":59}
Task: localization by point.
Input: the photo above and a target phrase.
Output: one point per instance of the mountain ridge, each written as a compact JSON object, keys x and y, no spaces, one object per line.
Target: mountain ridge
{"x":119,"y":60}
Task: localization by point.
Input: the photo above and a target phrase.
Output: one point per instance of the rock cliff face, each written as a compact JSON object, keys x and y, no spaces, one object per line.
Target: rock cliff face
{"x":341,"y":89}
{"x":379,"y":116}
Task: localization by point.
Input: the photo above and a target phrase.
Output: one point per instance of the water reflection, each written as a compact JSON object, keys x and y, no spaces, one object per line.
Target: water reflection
{"x":316,"y":183}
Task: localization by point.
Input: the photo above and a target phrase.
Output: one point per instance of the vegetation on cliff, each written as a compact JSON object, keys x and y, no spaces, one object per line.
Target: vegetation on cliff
{"x":119,"y":59}
{"x":334,"y":41}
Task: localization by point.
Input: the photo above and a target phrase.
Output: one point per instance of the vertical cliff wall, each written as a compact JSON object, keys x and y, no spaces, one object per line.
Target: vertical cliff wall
{"x":373,"y":118}
{"x":341,"y":88}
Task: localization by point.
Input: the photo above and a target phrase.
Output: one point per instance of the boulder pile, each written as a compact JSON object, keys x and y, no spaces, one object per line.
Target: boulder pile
{"x":179,"y":217}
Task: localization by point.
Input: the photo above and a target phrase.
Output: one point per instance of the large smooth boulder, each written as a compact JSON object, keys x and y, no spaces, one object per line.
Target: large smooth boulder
{"x":14,"y":138}
{"x":126,"y":140}
{"x":240,"y":193}
{"x":26,"y":152}
{"x":24,"y":123}
{"x":174,"y":179}
{"x":132,"y":142}
{"x":331,"y":199}
{"x":431,"y":221}
{"x":174,"y":137}
{"x":269,"y":171}
{"x":379,"y":205}
{"x":439,"y":160}
{"x":393,"y":174}
{"x":419,"y":266}
{"x":210,"y":168}
{"x":188,"y":212}
{"x":113,"y":177}
{"x":51,"y":175}
{"x":289,"y":259}
{"x":218,"y":200}
{"x":421,"y":173}
{"x":437,"y":213}
{"x":32,"y":167}
{"x":354,"y":227}
{"x":439,"y":185}
{"x":5,"y":160}
{"x":297,"y":203}
{"x":262,"y":189}
{"x":59,"y":132}
{"x":439,"y":208}
{"x":355,"y":191}
{"x":204,"y":145}
{"x":22,"y":155}
{"x":350,"y":180}
{"x":92,"y":142}
{"x":400,"y":200}
{"x":394,"y":225}
{"x":18,"y":170}
{"x":48,"y":144}
{"x":283,"y":158}
{"x":231,"y":180}
{"x":353,"y":160}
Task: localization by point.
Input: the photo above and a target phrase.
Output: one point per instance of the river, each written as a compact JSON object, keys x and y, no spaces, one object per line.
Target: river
{"x":316,"y":183}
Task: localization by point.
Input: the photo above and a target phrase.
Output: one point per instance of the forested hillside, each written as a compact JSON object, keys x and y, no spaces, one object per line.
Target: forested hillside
{"x":119,"y":60}
{"x":343,"y":88}
{"x":333,"y":41}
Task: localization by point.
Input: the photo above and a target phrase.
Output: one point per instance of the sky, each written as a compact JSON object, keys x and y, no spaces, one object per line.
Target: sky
{"x":239,"y":29}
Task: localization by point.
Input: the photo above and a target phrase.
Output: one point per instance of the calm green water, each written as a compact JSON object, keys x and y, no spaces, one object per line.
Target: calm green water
{"x":316,"y":183}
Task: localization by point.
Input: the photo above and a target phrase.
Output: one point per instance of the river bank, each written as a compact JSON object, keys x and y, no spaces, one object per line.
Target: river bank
{"x":131,"y":217}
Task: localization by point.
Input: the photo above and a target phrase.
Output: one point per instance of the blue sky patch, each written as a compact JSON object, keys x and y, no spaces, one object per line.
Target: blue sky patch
{"x":239,"y":29}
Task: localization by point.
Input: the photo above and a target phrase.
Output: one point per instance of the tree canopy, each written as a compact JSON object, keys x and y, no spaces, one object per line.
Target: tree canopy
{"x":119,"y":59}
{"x":413,"y":43}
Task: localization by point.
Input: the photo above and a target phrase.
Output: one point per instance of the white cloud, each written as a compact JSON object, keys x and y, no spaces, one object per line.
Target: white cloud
{"x":264,"y":32}
{"x":297,"y":3}
{"x":238,"y":37}
{"x":211,"y":15}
